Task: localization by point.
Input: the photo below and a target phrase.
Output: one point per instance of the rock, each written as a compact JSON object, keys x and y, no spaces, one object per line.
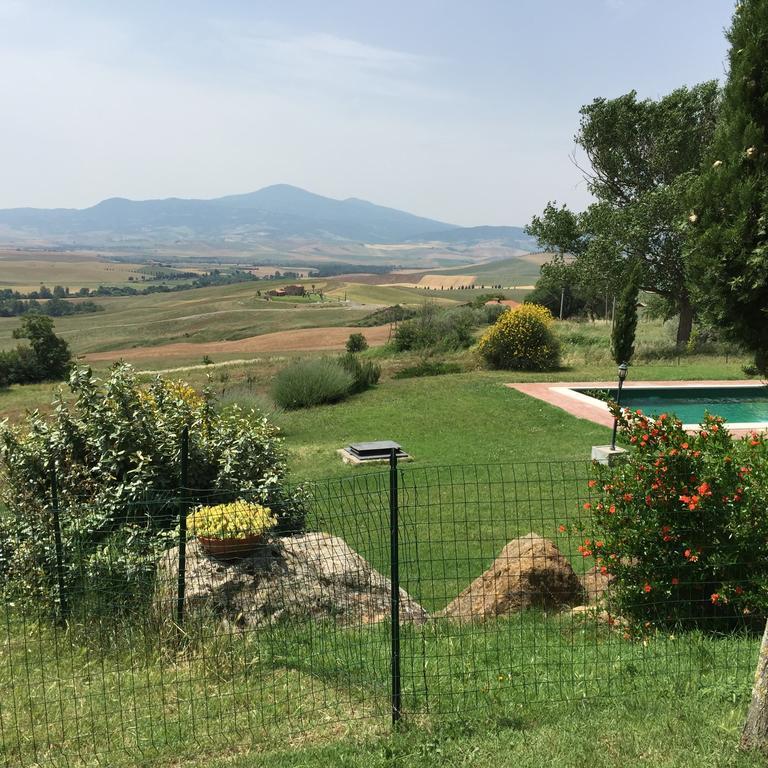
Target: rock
{"x":528,"y":572}
{"x":595,"y":585}
{"x":315,"y":575}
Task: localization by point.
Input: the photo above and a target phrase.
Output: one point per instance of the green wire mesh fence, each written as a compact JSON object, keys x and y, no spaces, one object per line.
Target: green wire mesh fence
{"x":156,"y":639}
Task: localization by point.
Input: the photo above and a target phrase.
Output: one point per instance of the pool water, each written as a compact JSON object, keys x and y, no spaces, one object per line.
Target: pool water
{"x":738,"y":405}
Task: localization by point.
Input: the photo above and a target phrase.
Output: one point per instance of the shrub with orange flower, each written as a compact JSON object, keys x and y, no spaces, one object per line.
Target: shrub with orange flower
{"x":684,"y":523}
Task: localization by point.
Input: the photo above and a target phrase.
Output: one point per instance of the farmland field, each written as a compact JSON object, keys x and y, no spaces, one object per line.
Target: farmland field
{"x":201,"y":315}
{"x":508,"y":272}
{"x":72,"y":270}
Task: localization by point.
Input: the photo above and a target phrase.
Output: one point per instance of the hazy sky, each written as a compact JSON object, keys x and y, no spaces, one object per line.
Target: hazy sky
{"x":462,"y":110}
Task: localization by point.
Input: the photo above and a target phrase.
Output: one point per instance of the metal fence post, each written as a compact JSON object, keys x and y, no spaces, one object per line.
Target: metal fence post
{"x":182,"y":505}
{"x":63,"y":607}
{"x":394,"y":560}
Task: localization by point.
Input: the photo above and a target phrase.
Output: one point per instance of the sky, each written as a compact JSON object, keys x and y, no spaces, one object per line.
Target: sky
{"x":461,"y":111}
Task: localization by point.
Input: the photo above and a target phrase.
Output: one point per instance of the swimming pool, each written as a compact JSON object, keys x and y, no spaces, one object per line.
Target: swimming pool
{"x":743,"y":406}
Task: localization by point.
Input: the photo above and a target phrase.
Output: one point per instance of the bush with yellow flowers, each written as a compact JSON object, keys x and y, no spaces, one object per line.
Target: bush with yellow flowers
{"x":522,"y":339}
{"x":235,"y":520}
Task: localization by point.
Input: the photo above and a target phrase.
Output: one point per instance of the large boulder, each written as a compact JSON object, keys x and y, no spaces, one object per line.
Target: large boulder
{"x":312,"y":576}
{"x":529,"y":572}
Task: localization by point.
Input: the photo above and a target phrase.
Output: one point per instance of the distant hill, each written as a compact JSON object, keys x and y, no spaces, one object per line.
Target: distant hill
{"x":272,"y":213}
{"x":515,"y":237}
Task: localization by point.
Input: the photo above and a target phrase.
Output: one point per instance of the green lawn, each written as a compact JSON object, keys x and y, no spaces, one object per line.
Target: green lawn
{"x":539,"y":689}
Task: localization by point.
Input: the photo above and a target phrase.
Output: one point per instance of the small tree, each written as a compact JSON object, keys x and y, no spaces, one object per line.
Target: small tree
{"x":47,"y":358}
{"x":625,"y":321}
{"x":356,"y":343}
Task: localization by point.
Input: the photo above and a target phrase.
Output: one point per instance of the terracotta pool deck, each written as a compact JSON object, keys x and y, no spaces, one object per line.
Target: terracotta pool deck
{"x":584,"y":407}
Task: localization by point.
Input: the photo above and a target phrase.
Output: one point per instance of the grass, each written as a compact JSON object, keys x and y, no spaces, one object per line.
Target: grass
{"x":307,"y":685}
{"x":457,"y":419}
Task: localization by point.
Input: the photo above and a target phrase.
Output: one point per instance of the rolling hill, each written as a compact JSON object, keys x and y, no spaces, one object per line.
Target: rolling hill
{"x":270,"y":214}
{"x":276,"y":214}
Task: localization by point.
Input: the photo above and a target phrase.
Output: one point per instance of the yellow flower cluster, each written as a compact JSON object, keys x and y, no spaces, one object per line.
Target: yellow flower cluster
{"x":522,"y":339}
{"x":235,"y":520}
{"x":177,"y":390}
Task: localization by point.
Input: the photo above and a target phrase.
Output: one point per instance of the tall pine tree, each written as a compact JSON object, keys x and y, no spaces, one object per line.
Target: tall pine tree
{"x":730,"y":214}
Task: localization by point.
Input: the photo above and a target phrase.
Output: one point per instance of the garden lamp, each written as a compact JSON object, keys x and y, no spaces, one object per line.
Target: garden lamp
{"x":623,"y":370}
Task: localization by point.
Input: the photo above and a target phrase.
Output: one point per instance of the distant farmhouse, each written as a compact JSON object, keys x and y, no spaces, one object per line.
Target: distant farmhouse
{"x":288,"y":290}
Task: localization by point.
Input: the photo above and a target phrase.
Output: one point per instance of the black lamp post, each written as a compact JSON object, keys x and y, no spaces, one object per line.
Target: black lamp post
{"x":623,"y":370}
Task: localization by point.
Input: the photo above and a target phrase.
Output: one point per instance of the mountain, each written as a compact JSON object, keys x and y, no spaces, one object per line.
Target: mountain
{"x":515,"y":237}
{"x":273,"y":213}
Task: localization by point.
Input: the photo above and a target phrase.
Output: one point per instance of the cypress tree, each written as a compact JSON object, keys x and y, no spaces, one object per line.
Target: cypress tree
{"x":730,"y":215}
{"x":625,"y":320}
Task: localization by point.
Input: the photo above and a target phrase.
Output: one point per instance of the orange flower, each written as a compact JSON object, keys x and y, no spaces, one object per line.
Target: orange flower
{"x":592,"y":483}
{"x":738,"y":590}
{"x":715,"y":598}
{"x":627,"y":497}
{"x":675,"y":581}
{"x":603,"y":570}
{"x":587,"y":506}
{"x":647,"y":588}
{"x":562,"y":529}
{"x":612,"y":509}
{"x":684,"y":446}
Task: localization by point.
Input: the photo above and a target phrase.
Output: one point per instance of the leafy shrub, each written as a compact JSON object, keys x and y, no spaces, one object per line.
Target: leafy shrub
{"x":434,"y":328}
{"x":356,"y":343}
{"x":750,"y":369}
{"x":428,"y":368}
{"x":681,"y":524}
{"x":312,"y":382}
{"x":230,"y":521}
{"x":493,"y":312}
{"x":365,"y":373}
{"x":116,"y":449}
{"x":522,"y":339}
